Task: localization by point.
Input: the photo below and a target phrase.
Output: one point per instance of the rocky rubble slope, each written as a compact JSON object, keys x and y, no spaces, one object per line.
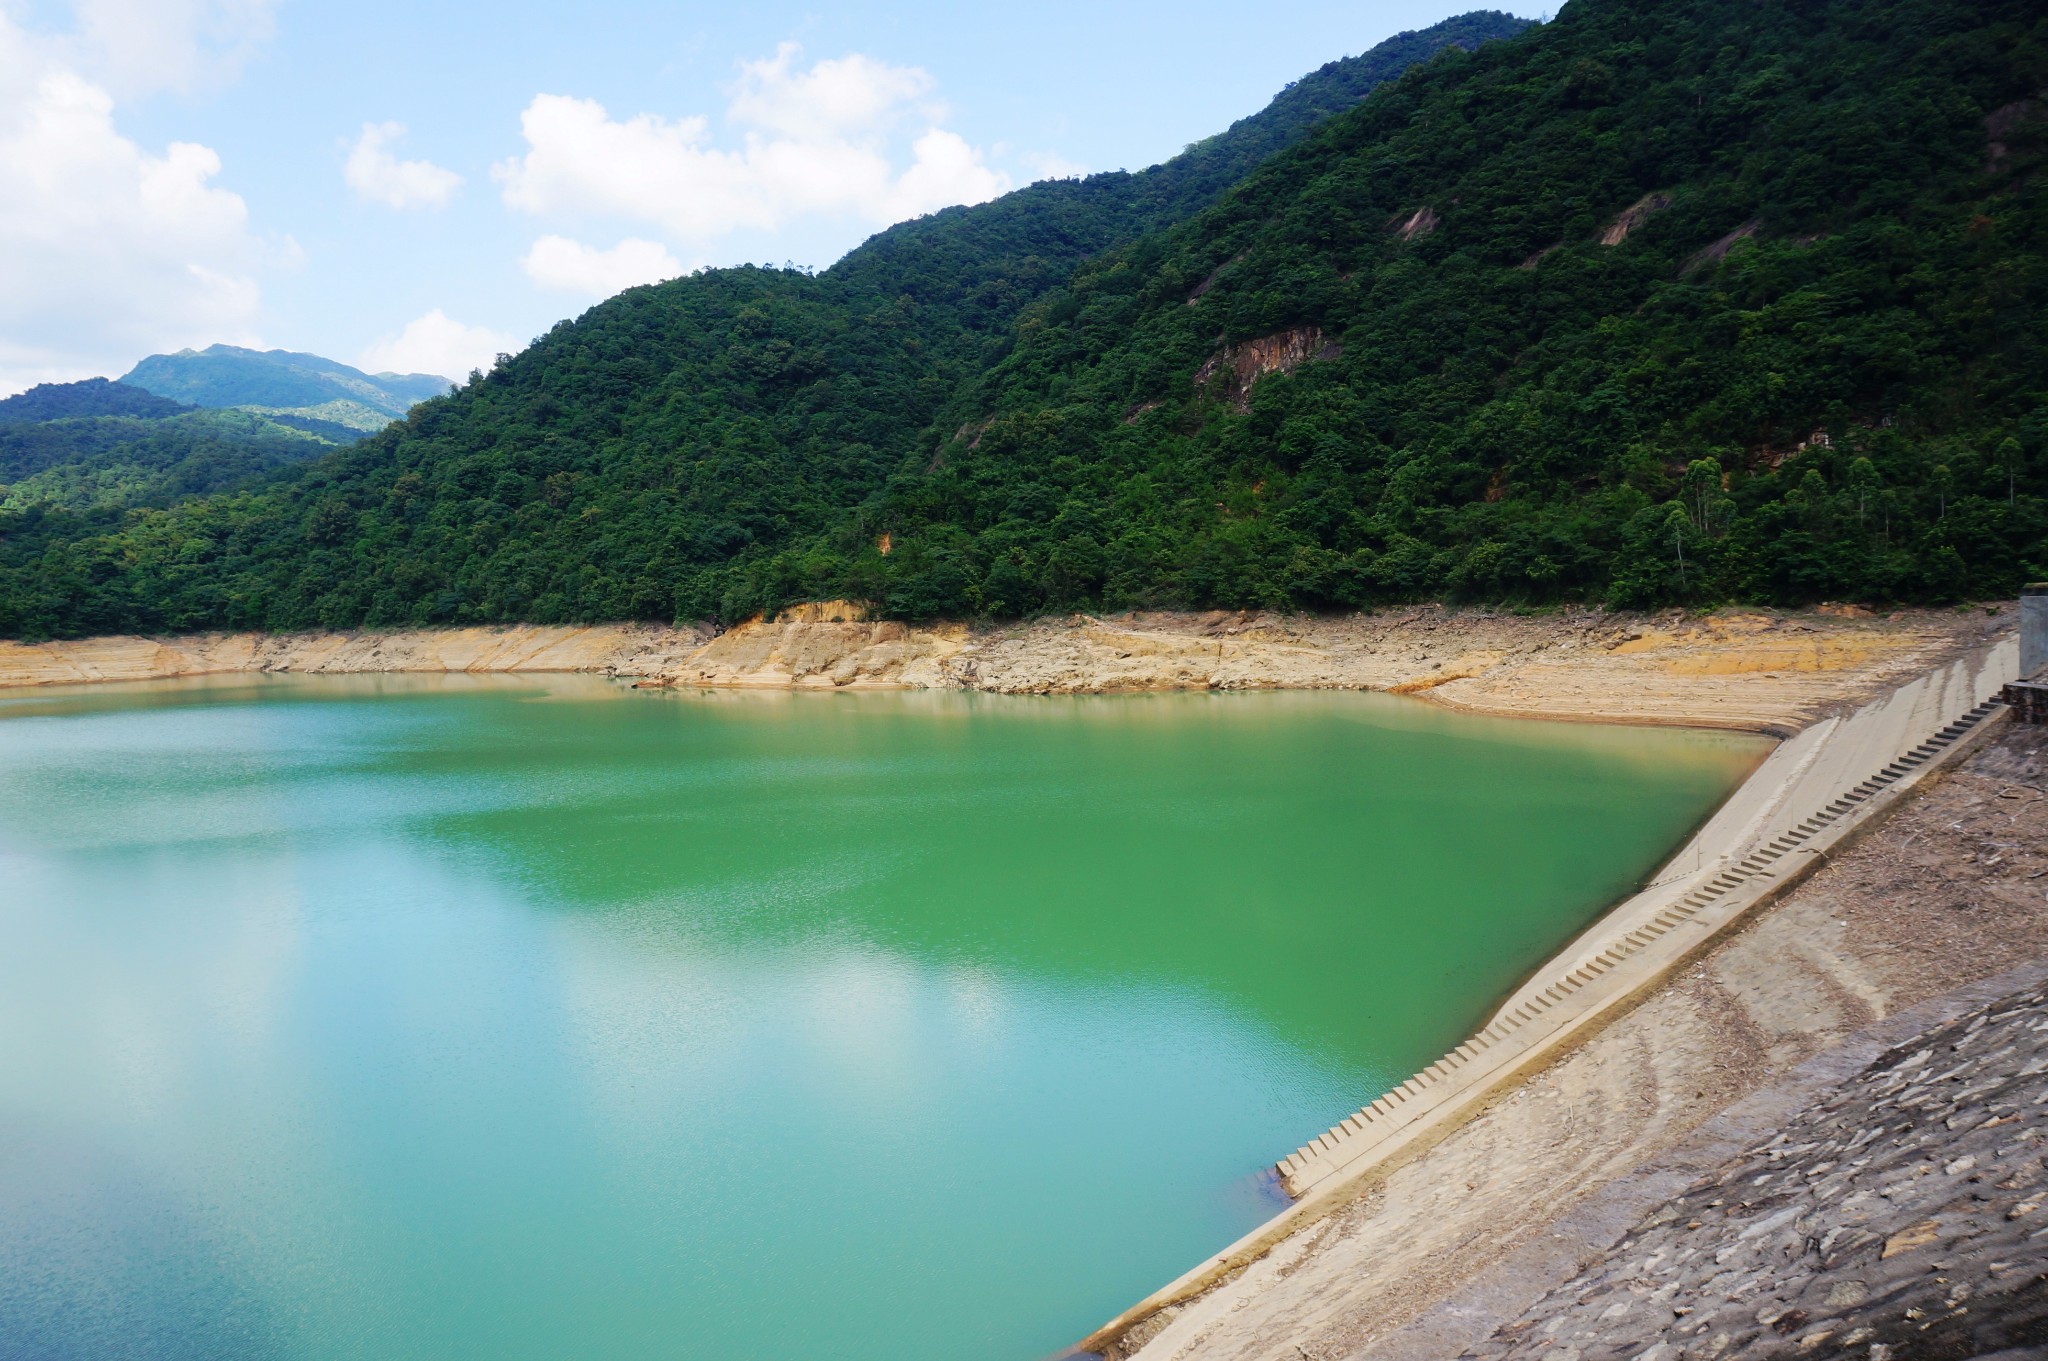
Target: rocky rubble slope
{"x":1903,"y":1217}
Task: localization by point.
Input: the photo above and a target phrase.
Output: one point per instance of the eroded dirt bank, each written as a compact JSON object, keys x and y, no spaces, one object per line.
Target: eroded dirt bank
{"x":1749,"y":670}
{"x":617,"y":649}
{"x":1954,"y":888}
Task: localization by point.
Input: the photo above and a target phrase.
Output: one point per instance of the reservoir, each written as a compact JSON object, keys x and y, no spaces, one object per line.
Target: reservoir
{"x":398,"y":1018}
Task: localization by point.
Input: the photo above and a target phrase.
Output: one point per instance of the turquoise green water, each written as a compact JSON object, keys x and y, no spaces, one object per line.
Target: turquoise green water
{"x":433,"y":1018}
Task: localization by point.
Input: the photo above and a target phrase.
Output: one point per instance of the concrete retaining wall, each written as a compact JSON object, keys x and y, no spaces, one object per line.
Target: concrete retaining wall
{"x":1805,"y":774}
{"x":2034,"y":630}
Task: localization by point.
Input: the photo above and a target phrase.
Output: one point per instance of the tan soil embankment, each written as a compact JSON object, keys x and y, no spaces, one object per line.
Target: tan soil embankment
{"x":1951,"y":889}
{"x":1755,"y":671}
{"x":620,"y":649}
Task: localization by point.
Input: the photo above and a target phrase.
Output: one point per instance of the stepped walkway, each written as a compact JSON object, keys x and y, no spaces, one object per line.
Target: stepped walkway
{"x":1815,"y":792}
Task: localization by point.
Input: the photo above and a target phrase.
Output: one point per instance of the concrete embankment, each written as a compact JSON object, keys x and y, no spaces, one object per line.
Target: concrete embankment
{"x":1753,"y":671}
{"x":1417,"y":1242}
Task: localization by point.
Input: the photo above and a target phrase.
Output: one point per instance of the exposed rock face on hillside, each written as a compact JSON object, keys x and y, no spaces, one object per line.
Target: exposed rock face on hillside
{"x":1634,"y":216}
{"x":1902,"y":1217}
{"x":1244,"y":364}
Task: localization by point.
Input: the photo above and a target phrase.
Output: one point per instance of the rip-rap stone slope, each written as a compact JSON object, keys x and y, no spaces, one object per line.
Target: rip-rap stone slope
{"x":1906,"y":1217}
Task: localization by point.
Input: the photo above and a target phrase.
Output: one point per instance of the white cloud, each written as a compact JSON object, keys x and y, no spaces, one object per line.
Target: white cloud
{"x":1048,"y":166}
{"x":438,"y":344}
{"x":571,"y":267}
{"x":107,"y":251}
{"x":946,"y":171}
{"x":815,"y":141}
{"x":381,"y":177}
{"x":142,"y":47}
{"x":850,"y":96}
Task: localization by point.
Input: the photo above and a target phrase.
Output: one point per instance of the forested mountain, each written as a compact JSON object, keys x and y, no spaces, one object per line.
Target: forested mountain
{"x":1659,"y":302}
{"x":121,"y":462}
{"x":84,"y":477}
{"x":74,"y":456}
{"x":1668,"y":302}
{"x":92,"y":397}
{"x":969,"y":271}
{"x":715,"y":419}
{"x":280,"y":382}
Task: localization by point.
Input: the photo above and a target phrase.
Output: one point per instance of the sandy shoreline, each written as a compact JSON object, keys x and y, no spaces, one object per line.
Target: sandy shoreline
{"x":1750,"y":670}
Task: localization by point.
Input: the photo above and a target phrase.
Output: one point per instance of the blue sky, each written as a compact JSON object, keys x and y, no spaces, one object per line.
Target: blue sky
{"x":412,"y":186}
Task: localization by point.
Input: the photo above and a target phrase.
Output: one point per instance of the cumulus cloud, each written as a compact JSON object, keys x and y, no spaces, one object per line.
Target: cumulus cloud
{"x":379,"y":176}
{"x":1047,"y":166}
{"x":945,"y":170}
{"x":107,"y":251}
{"x":568,"y":266}
{"x":436,"y":343}
{"x":818,"y":140}
{"x":847,"y":96}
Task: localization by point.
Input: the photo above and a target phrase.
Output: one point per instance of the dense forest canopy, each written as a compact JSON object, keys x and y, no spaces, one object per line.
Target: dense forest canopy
{"x":95,"y":449}
{"x":1658,"y":303}
{"x":1663,"y":303}
{"x":78,"y":460}
{"x":110,"y":464}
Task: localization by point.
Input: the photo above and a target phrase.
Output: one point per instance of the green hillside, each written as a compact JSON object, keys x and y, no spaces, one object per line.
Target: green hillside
{"x":707,"y":423}
{"x":95,"y":448}
{"x":86,"y":478}
{"x":1667,"y":302}
{"x":1657,"y":303}
{"x":118,"y":463}
{"x":968,"y":271}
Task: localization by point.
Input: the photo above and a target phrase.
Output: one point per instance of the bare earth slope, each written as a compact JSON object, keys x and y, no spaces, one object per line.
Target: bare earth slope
{"x":617,"y":649}
{"x":1754,"y":671}
{"x":1471,"y":1234}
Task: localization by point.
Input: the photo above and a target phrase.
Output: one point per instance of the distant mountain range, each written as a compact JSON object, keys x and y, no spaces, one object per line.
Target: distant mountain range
{"x":78,"y":456}
{"x":285,"y":383}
